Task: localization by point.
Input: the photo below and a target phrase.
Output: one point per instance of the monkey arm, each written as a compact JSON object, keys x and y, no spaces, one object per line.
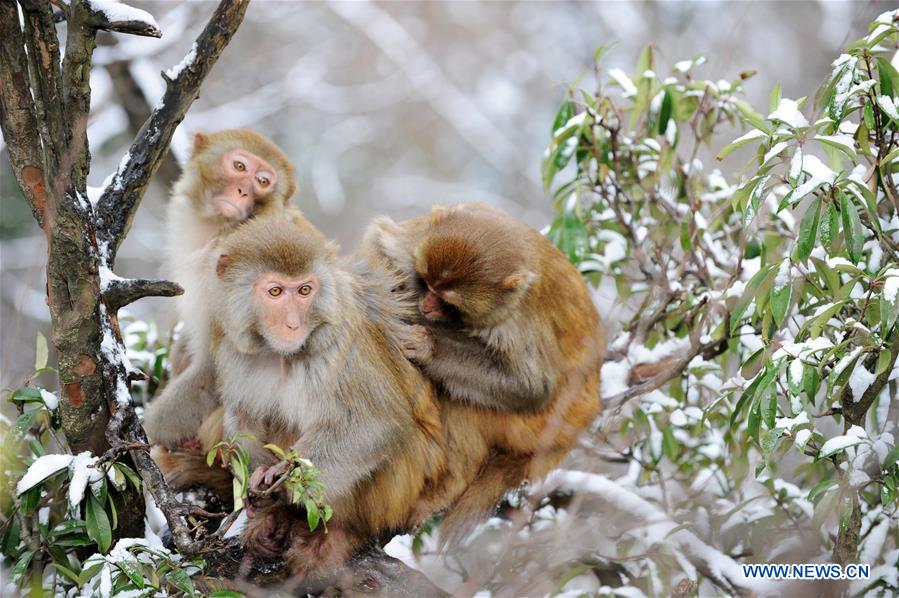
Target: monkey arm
{"x":470,"y":371}
{"x":177,"y":413}
{"x":349,"y":452}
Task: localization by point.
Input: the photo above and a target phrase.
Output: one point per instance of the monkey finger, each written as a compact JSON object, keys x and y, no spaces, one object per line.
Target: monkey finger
{"x":257,"y":480}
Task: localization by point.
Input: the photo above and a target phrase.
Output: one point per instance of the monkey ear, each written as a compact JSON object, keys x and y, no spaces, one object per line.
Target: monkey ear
{"x":222,"y":265}
{"x":201,"y":140}
{"x":518,"y":281}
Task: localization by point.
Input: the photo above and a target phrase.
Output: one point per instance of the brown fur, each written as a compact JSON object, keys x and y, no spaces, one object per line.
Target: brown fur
{"x":519,"y":368}
{"x":370,"y":421}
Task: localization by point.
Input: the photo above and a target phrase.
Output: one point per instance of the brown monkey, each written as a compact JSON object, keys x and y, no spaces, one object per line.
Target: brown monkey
{"x":301,"y":362}
{"x":232,"y":175}
{"x":509,"y":334}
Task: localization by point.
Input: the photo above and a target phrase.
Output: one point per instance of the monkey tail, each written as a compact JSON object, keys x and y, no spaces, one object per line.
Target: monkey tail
{"x":501,"y":474}
{"x":185,"y":469}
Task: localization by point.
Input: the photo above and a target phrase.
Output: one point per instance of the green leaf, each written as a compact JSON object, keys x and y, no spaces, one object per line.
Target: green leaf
{"x":569,"y":234}
{"x":669,"y":444}
{"x":808,"y":230}
{"x":133,"y":574}
{"x":97,"y":521}
{"x":830,"y":227}
{"x":665,"y":112}
{"x":770,"y":413}
{"x":774,"y":98}
{"x":883,"y":361}
{"x":852,"y":228}
{"x":753,"y":135}
{"x":563,"y":115}
{"x":748,"y":295}
{"x":780,"y":301}
{"x":71,"y":575}
{"x":181,"y":580}
{"x":22,"y":564}
{"x":26,"y":394}
{"x":755,"y":416}
{"x":312,"y":515}
{"x":226,"y":594}
{"x":820,"y":488}
{"x":769,"y":441}
{"x":891,"y":458}
{"x":24,"y":422}
{"x":41,"y":352}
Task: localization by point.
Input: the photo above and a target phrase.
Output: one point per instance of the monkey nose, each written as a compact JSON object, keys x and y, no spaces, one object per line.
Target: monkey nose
{"x":293,"y":327}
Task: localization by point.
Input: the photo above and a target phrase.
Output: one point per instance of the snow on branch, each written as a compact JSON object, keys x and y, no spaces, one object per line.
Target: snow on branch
{"x":117,"y":205}
{"x":718,"y":567}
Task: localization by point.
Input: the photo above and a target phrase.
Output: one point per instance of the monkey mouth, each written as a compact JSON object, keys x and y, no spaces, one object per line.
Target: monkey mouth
{"x":229,"y":209}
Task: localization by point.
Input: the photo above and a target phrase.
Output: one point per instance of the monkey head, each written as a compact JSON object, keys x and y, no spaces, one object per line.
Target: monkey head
{"x":232,"y":173}
{"x":472,"y":269}
{"x":276,"y":286}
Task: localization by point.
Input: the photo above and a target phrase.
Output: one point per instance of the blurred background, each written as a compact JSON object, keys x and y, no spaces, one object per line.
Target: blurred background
{"x":391,"y":107}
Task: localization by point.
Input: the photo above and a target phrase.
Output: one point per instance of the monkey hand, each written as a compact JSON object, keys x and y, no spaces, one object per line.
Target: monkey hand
{"x":417,"y":343}
{"x":192,"y":444}
{"x":266,"y":487}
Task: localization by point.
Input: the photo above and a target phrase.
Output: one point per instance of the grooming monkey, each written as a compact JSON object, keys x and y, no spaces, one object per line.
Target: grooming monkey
{"x":508,"y":333}
{"x":301,"y":362}
{"x":232,"y":175}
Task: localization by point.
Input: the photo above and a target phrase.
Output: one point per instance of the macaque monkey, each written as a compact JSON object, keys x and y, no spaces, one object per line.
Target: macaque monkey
{"x":507,"y":331}
{"x":232,"y":175}
{"x":300,"y":362}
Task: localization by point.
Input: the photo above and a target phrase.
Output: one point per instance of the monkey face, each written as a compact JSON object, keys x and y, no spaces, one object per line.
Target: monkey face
{"x":246,"y":180}
{"x":283,"y":305}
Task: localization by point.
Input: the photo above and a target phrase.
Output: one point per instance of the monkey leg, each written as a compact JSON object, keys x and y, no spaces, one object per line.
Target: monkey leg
{"x":501,"y":473}
{"x":185,"y":469}
{"x":316,"y":554}
{"x":268,"y":531}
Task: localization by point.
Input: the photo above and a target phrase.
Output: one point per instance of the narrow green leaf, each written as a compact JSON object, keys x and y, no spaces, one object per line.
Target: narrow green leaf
{"x":312,"y":515}
{"x":774,"y":98}
{"x":41,"y":352}
{"x":755,"y":416}
{"x":665,"y":112}
{"x":852,"y":228}
{"x":770,"y":412}
{"x":808,"y":230}
{"x":97,"y":521}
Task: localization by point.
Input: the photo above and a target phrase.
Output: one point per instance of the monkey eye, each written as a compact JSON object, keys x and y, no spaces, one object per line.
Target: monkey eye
{"x":275,"y":291}
{"x":239,"y":166}
{"x":305,"y":290}
{"x":263,"y":181}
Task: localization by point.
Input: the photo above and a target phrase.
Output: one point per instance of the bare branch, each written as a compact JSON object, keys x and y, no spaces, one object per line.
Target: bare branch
{"x":120,"y":199}
{"x":17,"y":117}
{"x":44,"y":63}
{"x":121,"y":292}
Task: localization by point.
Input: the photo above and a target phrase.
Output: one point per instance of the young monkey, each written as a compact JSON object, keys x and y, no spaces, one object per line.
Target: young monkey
{"x":505,"y":317}
{"x":232,"y":176}
{"x":508,"y":333}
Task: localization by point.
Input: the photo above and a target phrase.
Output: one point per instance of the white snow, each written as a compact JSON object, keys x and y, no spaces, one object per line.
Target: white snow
{"x":860,"y":380}
{"x":887,"y":105}
{"x":84,"y":470}
{"x":237,"y":526}
{"x":788,"y":423}
{"x":50,"y":399}
{"x":774,"y":151}
{"x":855,"y":435}
{"x":842,"y":140}
{"x":624,"y":81}
{"x":891,"y":285}
{"x":819,"y":174}
{"x":188,"y":59}
{"x":115,"y":11}
{"x":788,"y":113}
{"x":41,"y":469}
{"x":783,"y":277}
{"x":658,"y":526}
{"x":106,"y":277}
